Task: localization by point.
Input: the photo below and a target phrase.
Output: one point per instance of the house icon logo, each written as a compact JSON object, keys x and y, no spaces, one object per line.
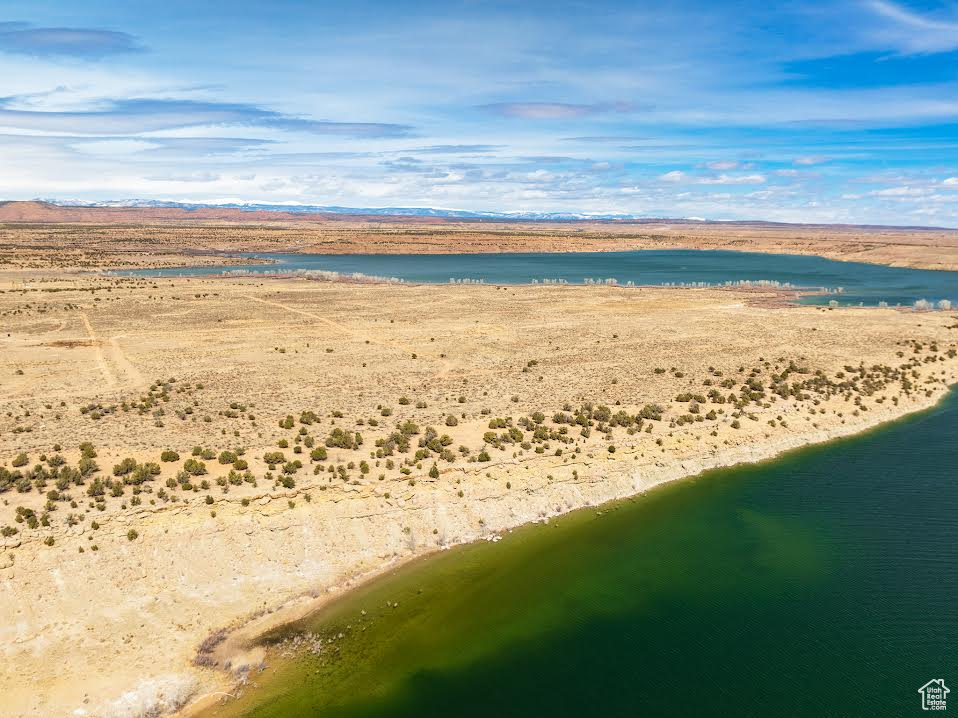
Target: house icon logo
{"x":934,"y":695}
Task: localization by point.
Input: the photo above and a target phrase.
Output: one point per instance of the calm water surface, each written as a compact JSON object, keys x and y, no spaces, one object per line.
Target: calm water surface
{"x":820,"y":584}
{"x":862,"y":283}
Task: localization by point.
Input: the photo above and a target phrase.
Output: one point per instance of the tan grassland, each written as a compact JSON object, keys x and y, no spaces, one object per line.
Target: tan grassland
{"x":118,"y":573}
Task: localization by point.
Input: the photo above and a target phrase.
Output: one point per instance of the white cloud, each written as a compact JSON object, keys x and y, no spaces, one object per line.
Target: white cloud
{"x":809,"y":160}
{"x":194,"y":177}
{"x":554,"y":110}
{"x":723,"y":165}
{"x":903,"y":191}
{"x":115,"y":147}
{"x":721,"y":179}
{"x":733,"y":179}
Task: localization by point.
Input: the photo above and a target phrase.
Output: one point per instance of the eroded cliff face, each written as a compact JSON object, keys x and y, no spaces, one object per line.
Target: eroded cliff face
{"x":116,"y":633}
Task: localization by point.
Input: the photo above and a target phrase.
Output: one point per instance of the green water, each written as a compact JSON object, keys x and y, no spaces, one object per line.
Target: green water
{"x":820,"y":584}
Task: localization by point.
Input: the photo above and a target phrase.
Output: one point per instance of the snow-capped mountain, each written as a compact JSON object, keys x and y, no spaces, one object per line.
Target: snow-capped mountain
{"x":335,"y":209}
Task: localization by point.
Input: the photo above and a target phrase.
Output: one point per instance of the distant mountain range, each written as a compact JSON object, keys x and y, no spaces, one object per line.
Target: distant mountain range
{"x":364,"y":211}
{"x":139,"y":210}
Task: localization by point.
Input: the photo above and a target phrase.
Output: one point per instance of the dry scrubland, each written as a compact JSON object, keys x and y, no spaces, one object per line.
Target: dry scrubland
{"x":125,"y":239}
{"x":317,"y":432}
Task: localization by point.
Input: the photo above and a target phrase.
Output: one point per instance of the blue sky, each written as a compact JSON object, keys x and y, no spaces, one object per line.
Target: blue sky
{"x":804,"y":112}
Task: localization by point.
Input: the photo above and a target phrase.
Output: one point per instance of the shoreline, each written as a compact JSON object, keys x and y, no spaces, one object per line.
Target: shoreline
{"x":822,"y":253}
{"x":183,"y":567}
{"x":175,"y":257}
{"x":254,"y":260}
{"x":244,"y":642}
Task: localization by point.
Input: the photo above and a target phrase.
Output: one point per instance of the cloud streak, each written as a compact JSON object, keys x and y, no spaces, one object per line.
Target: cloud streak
{"x":132,"y":116}
{"x":555,"y":110}
{"x":86,"y":43}
{"x":810,"y":160}
{"x":910,"y":32}
{"x":678,"y":176}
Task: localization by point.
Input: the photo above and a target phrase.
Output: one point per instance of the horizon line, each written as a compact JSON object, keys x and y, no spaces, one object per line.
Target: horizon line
{"x":455,"y":214}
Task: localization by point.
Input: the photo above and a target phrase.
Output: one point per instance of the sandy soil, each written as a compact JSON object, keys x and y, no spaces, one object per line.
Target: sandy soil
{"x":108,"y":597}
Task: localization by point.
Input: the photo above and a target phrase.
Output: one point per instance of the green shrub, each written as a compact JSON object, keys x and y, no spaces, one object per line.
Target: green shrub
{"x":194,"y":467}
{"x":124,"y":467}
{"x":143,"y":472}
{"x":344,"y":439}
{"x":272,"y":458}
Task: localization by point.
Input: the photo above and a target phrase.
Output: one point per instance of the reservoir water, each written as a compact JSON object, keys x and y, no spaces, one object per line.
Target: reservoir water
{"x":860,"y":283}
{"x":822,"y":583}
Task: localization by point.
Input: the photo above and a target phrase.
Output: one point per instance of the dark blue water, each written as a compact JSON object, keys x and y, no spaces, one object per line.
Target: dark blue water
{"x":859,"y":283}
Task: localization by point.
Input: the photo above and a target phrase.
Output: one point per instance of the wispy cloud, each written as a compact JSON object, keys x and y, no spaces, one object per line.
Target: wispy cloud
{"x":723,"y":165}
{"x":555,"y":110}
{"x":809,"y":160}
{"x":904,"y":191}
{"x":131,"y":116}
{"x":733,"y":179}
{"x":326,"y":127}
{"x":454,"y":149}
{"x":611,"y":139}
{"x":202,"y":177}
{"x":88,"y":43}
{"x":909,"y":32}
{"x":677,"y":176}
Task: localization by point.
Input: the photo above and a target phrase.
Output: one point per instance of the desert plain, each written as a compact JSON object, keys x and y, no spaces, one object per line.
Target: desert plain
{"x":38,"y":235}
{"x":187,"y":462}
